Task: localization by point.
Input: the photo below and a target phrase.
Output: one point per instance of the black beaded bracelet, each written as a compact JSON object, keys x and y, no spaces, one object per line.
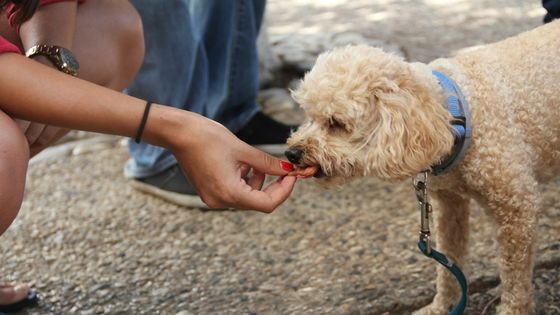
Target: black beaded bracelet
{"x":143,"y":122}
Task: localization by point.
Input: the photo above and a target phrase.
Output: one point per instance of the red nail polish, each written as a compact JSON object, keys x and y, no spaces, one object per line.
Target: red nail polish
{"x":286,"y":166}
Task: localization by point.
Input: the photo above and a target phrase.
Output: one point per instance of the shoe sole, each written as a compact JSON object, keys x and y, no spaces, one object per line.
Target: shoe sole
{"x":169,"y":196}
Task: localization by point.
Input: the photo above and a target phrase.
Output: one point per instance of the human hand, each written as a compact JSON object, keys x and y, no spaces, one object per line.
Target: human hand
{"x":39,"y":136}
{"x":218,"y":163}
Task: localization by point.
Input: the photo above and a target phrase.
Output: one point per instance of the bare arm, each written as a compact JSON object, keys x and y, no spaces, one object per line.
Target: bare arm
{"x":31,"y":91}
{"x":53,"y":24}
{"x":215,"y":160}
{"x":104,"y":36}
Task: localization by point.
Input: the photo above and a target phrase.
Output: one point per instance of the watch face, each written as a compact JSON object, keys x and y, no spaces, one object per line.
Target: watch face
{"x":68,"y":60}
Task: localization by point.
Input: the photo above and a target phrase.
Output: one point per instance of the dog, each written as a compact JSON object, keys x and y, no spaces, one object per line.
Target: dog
{"x":370,"y":113}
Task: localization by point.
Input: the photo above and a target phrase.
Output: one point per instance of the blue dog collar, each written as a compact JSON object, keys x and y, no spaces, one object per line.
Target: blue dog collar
{"x":458,"y":107}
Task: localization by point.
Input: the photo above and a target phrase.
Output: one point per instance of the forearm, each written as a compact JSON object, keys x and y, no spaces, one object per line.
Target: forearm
{"x":31,"y":91}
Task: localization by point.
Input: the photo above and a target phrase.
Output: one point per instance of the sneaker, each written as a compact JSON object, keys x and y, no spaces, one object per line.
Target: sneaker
{"x":266,"y":134}
{"x":170,"y":185}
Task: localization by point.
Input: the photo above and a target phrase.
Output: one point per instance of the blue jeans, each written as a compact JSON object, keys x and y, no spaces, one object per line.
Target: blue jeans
{"x":201,"y":56}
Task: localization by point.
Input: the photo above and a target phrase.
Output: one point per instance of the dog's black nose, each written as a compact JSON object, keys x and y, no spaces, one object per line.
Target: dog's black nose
{"x":294,"y":155}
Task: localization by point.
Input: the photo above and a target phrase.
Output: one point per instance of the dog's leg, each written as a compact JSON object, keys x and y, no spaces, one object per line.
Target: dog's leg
{"x":452,"y":232}
{"x":514,"y":207}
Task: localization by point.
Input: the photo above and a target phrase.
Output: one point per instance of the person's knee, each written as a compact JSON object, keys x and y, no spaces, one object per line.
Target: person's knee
{"x":115,"y":30}
{"x":130,"y":40}
{"x":14,"y":157}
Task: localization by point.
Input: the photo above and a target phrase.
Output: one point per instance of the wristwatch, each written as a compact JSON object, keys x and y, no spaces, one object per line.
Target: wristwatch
{"x":62,"y":58}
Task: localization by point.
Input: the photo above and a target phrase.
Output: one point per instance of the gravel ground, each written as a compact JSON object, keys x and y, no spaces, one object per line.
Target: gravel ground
{"x":93,"y":245}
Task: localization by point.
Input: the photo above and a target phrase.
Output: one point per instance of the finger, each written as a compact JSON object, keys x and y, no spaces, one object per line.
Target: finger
{"x":268,"y":199}
{"x":245,"y":169}
{"x":33,"y":132}
{"x":23,"y":124}
{"x":266,"y":163}
{"x":257,"y":180}
{"x":49,"y":135}
{"x":39,"y":146}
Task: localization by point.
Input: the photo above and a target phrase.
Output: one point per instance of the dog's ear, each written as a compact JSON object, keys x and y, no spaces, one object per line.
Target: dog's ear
{"x":412,"y":130}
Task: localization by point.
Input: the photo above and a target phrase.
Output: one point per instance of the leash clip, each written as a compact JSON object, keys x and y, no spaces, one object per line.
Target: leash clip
{"x":420,"y":183}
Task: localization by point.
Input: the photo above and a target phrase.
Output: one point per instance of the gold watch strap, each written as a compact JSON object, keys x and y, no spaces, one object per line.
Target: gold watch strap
{"x":66,"y":64}
{"x":41,"y":49}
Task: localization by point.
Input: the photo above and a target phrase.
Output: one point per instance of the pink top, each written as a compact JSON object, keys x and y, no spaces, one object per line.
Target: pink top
{"x":11,"y":10}
{"x":6,"y":46}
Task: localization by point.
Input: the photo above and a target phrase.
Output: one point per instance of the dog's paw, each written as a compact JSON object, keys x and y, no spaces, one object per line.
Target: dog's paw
{"x":432,"y":309}
{"x":503,"y":309}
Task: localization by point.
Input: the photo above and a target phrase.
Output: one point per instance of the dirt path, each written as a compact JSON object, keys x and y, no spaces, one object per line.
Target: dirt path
{"x":93,"y":245}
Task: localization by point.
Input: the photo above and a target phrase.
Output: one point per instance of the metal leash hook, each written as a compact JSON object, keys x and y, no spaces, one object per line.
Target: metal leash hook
{"x":420,"y":183}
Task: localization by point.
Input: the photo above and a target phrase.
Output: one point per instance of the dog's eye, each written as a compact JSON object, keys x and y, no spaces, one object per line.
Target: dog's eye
{"x":336,"y":125}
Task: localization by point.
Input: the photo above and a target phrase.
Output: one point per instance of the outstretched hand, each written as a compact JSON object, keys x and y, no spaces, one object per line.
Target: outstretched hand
{"x":228,"y":172}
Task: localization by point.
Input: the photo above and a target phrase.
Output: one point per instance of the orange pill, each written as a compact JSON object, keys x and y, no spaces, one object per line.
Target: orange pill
{"x":307,"y":171}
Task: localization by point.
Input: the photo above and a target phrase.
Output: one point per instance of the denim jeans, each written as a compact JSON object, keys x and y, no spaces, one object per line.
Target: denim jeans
{"x":201,"y":56}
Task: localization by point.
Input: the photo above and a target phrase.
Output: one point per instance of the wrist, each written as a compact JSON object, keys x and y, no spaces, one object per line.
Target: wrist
{"x":167,"y":127}
{"x":60,"y":58}
{"x":44,"y":60}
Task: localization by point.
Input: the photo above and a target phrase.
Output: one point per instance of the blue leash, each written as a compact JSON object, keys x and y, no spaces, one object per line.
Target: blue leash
{"x":454,"y":269}
{"x":424,"y":244}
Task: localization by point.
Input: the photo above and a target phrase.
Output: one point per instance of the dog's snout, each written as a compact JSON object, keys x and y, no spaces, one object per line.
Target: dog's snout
{"x":294,"y":155}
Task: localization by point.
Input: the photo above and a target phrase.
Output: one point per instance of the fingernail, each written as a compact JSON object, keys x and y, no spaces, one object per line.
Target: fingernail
{"x":286,"y":166}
